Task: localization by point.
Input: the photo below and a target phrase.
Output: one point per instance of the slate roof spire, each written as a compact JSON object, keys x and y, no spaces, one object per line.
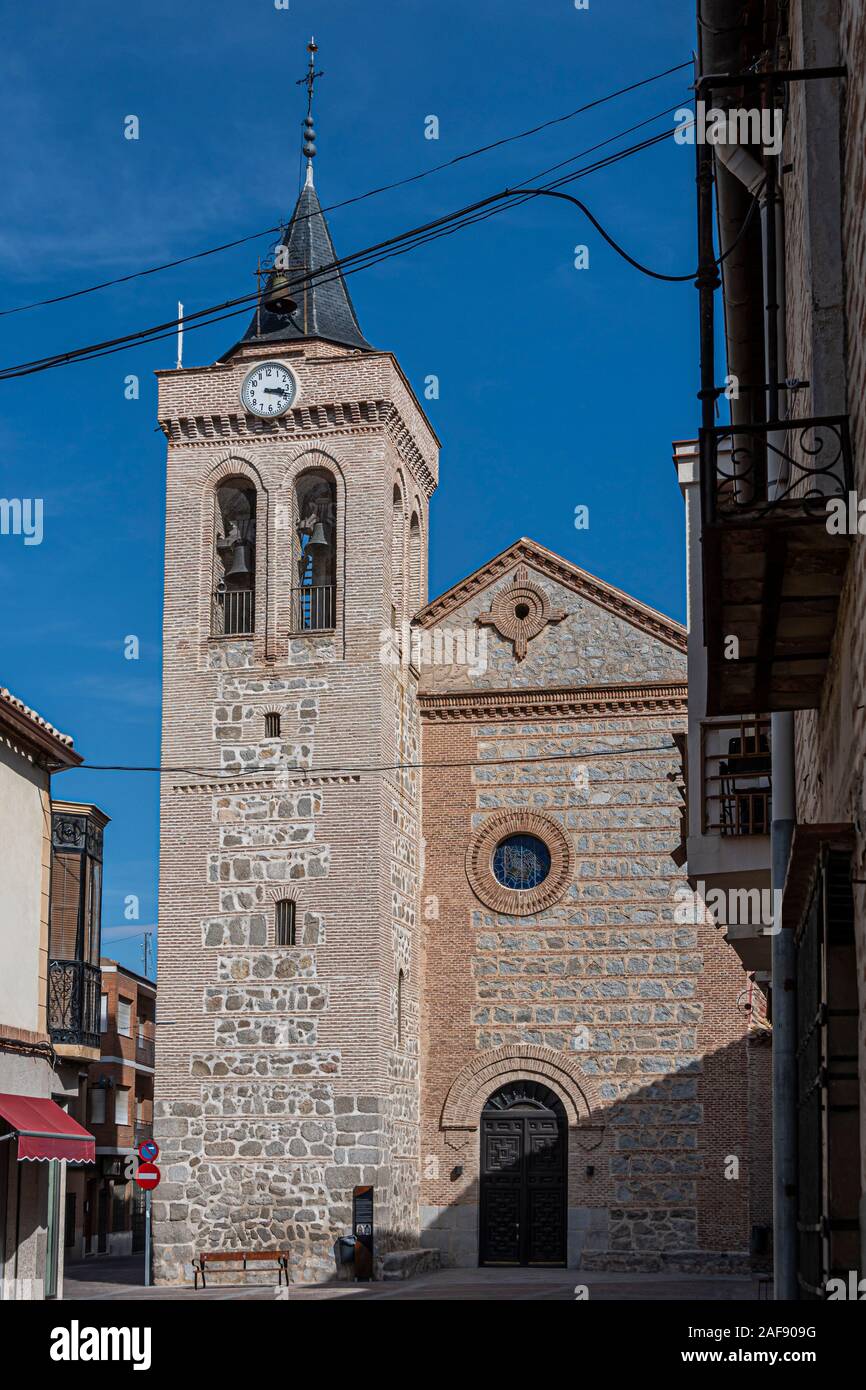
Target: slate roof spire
{"x":325,"y":309}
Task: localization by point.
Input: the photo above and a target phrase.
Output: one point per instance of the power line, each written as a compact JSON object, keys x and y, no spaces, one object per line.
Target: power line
{"x":346,"y":202}
{"x":373,"y":255}
{"x":213,"y":774}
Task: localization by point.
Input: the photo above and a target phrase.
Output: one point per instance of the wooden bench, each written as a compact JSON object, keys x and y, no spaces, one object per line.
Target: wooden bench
{"x":206,"y":1259}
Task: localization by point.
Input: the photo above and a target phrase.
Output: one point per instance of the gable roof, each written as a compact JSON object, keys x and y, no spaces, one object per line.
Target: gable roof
{"x":580,"y":581}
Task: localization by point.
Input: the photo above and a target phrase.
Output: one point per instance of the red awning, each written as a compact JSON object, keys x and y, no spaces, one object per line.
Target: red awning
{"x":45,"y":1131}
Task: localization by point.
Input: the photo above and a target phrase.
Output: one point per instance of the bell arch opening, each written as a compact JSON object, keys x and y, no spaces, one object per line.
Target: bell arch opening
{"x":234,"y":595}
{"x":315,"y":527}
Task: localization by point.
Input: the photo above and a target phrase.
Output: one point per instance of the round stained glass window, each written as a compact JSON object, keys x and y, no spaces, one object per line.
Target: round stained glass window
{"x":521,"y":862}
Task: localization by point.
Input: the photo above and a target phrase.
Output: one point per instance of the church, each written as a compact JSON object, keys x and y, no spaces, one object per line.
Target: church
{"x":418,"y":867}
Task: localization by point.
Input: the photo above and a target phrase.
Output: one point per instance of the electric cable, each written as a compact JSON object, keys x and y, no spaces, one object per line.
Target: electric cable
{"x":369,"y":256}
{"x":337,"y":771}
{"x":346,"y":202}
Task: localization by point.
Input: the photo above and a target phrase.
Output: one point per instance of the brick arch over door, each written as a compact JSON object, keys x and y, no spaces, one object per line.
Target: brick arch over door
{"x":489,"y":1070}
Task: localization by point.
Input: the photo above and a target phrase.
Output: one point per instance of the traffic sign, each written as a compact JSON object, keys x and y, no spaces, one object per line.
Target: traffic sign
{"x":148,"y":1176}
{"x":148,"y":1151}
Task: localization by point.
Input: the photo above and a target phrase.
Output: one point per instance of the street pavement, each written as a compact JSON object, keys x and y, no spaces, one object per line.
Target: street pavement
{"x":121,"y":1277}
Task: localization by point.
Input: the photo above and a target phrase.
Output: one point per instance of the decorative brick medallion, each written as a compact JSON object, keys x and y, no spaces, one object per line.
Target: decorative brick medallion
{"x":521,"y":612}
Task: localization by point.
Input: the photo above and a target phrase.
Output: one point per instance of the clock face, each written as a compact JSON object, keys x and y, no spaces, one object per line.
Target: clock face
{"x":269,"y":389}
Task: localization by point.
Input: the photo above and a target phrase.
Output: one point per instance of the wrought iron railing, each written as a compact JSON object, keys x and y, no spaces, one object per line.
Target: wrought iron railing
{"x":73,"y":1002}
{"x":737,"y":781}
{"x":314,"y":608}
{"x":144,"y":1051}
{"x":234,"y":612}
{"x":790,"y":467}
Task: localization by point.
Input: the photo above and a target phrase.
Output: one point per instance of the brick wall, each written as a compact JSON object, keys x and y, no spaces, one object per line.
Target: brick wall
{"x":632,"y":1016}
{"x":831,"y":741}
{"x":282,"y":1082}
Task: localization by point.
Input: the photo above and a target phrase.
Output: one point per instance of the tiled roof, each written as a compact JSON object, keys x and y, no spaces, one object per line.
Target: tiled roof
{"x":7,"y":698}
{"x":325,"y":309}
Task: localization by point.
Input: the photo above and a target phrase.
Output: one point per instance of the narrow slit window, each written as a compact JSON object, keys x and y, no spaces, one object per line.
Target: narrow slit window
{"x":285,"y":922}
{"x":272,"y":726}
{"x":400,"y":981}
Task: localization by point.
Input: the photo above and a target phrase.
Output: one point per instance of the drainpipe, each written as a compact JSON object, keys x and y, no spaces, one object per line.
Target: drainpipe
{"x":784,"y":976}
{"x":784,"y":1104}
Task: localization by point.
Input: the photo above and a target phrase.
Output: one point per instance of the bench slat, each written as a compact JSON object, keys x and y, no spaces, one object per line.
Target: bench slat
{"x":241,"y":1257}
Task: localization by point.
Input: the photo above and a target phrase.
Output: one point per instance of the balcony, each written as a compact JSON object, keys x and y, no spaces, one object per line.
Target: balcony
{"x":142,"y":1133}
{"x":233,"y":613}
{"x":73,"y":1004}
{"x":772,"y":571}
{"x":737,"y":795}
{"x":144,"y":1051}
{"x":314,"y":608}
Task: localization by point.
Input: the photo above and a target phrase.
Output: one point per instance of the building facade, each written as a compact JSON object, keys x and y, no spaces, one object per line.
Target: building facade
{"x":597,"y":982}
{"x":41,"y":1142}
{"x":119,"y":1113}
{"x":386,"y":957}
{"x":782,"y":572}
{"x":288,"y":898}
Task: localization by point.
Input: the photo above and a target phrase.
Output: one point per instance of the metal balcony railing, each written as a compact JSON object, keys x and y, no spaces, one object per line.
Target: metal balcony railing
{"x":314,"y":608}
{"x":73,"y":1002}
{"x":142,"y":1131}
{"x":737,"y":784}
{"x":788,"y":469}
{"x":234,"y":613}
{"x":144,"y":1051}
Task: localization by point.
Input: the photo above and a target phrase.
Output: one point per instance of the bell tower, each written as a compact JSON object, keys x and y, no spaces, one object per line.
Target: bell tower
{"x":299,"y":472}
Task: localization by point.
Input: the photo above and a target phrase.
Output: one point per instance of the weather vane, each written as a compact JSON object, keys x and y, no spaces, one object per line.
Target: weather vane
{"x":309,"y":81}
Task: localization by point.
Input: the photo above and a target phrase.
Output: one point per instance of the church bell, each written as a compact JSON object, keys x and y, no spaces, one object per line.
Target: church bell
{"x":240,"y":560}
{"x":318,"y":536}
{"x":278,"y":295}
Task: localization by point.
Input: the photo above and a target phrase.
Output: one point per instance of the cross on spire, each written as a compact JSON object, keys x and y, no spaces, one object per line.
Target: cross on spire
{"x":309,"y":81}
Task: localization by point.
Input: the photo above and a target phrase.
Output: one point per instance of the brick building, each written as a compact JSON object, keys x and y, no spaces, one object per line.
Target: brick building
{"x":50,"y":900}
{"x":119,"y":1114}
{"x":469,"y":987}
{"x":781,"y":580}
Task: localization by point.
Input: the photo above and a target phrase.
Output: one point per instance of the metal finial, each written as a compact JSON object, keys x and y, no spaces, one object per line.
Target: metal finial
{"x":309,"y":81}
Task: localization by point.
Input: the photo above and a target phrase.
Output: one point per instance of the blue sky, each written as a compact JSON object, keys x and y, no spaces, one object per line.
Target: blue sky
{"x":558,"y":387}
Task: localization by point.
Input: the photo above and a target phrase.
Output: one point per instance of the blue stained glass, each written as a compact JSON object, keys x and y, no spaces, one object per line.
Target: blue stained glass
{"x":521,"y":861}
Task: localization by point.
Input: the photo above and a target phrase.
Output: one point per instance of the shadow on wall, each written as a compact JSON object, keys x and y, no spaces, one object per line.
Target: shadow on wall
{"x":675,"y":1176}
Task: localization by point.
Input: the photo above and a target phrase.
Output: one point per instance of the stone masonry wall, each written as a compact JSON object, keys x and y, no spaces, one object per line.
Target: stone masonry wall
{"x":608,"y":977}
{"x":284,"y":1077}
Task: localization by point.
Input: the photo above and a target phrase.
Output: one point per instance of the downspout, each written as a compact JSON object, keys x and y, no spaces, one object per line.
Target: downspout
{"x":784,"y":1102}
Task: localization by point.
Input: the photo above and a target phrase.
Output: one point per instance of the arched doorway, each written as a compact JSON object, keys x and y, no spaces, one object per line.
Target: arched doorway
{"x":524,"y":1141}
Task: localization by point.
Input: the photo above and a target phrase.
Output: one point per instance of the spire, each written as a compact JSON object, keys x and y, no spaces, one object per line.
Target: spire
{"x":324,"y":308}
{"x":309,"y":81}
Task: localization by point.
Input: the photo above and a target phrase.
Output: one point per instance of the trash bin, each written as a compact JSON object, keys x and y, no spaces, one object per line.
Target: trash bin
{"x":344,"y":1252}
